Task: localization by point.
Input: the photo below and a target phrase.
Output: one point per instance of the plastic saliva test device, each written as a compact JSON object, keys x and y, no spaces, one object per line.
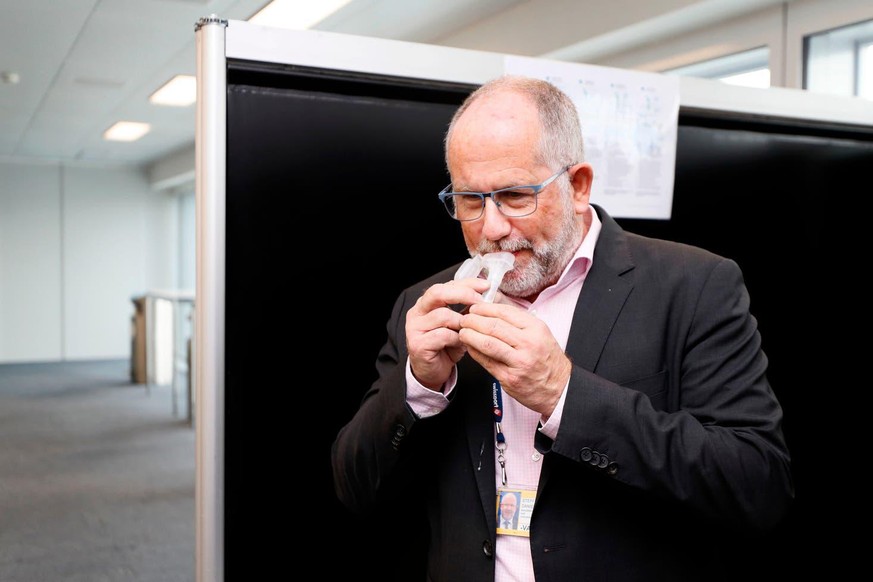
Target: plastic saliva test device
{"x":494,"y":266}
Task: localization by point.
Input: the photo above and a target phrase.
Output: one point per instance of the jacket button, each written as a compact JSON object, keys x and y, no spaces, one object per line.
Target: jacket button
{"x":399,"y":433}
{"x":612,"y":468}
{"x":604,"y":461}
{"x":487,"y":548}
{"x":585,"y":454}
{"x":595,"y":458}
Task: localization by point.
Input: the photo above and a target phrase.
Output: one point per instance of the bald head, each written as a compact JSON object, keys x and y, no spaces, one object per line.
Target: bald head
{"x":500,"y":125}
{"x":512,"y":108}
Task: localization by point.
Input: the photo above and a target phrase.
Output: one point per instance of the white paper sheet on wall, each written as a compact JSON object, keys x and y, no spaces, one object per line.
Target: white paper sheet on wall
{"x":629,"y":123}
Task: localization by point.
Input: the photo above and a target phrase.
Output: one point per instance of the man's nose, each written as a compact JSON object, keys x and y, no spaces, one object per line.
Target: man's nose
{"x":495,"y":224}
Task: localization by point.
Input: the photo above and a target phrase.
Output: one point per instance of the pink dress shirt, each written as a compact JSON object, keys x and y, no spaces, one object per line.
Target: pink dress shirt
{"x":554,"y":306}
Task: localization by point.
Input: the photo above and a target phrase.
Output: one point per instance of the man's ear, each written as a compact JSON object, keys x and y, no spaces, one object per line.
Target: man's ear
{"x":581,"y":178}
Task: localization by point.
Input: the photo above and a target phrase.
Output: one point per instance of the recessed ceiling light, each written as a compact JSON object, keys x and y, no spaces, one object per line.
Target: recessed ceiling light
{"x":126,"y":131}
{"x":10,"y":77}
{"x":296,"y":14}
{"x":180,"y":91}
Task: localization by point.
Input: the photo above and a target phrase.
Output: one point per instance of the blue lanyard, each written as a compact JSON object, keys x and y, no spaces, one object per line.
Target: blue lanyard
{"x":499,"y":437}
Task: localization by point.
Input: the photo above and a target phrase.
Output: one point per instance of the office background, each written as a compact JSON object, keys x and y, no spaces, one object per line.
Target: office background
{"x":757,"y":188}
{"x":85,"y":226}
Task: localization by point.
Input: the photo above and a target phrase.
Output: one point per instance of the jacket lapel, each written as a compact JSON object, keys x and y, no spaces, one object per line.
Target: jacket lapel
{"x":480,"y":432}
{"x":603,"y":295}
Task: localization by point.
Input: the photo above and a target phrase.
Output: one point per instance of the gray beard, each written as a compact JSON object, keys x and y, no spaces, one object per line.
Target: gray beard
{"x":547,"y":262}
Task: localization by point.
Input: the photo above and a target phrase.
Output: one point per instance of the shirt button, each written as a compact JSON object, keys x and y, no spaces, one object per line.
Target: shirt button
{"x":535,"y":457}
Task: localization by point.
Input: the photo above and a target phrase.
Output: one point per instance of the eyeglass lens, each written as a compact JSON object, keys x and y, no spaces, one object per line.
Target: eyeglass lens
{"x":514,"y":202}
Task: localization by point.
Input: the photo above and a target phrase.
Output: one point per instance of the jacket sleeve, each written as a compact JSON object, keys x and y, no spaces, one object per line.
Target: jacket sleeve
{"x":706,"y":431}
{"x":367,"y":451}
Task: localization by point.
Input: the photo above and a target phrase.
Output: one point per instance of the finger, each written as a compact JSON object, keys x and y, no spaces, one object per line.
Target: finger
{"x":479,"y":285}
{"x":512,"y":314}
{"x":442,"y":317}
{"x":465,"y":291}
{"x":429,"y":346}
{"x":481,"y":358}
{"x":485,"y":346}
{"x":431,"y":353}
{"x":493,"y":327}
{"x":456,"y":353}
{"x":476,"y":283}
{"x":494,"y":366}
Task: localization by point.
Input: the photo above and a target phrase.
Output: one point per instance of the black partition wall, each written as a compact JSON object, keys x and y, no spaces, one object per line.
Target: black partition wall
{"x":332,"y":210}
{"x":782,"y":199}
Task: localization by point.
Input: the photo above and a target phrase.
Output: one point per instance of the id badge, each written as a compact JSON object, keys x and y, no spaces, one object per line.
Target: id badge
{"x":514,"y":509}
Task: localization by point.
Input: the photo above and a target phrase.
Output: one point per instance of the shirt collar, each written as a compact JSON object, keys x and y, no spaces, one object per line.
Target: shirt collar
{"x":581,"y":262}
{"x":578,"y":266}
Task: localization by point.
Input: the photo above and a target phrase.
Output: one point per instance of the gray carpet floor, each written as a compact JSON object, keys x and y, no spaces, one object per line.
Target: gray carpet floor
{"x":96,"y":476}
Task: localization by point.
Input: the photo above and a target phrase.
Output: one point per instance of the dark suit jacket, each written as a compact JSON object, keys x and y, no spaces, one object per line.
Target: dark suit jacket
{"x":670,"y":446}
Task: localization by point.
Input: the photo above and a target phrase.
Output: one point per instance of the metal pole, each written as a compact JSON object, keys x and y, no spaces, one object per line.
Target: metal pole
{"x":210,"y":150}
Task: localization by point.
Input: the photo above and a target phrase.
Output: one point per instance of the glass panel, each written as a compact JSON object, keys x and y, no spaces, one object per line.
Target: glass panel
{"x":758,"y":78}
{"x":748,"y":68}
{"x":865,"y":70}
{"x":838,"y":61}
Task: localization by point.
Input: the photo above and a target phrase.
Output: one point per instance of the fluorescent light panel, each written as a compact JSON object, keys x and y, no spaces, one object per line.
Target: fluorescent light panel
{"x":180,"y":91}
{"x":126,"y":131}
{"x":296,"y":14}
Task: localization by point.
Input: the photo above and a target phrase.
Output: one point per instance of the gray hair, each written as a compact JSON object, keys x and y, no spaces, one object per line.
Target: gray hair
{"x":561,"y":136}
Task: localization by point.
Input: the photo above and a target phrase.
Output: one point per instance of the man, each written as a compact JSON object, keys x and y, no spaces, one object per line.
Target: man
{"x":508,"y":519}
{"x":618,"y":380}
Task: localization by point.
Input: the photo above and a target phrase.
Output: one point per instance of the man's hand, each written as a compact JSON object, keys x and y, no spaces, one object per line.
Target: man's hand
{"x":432,"y":329}
{"x":520,"y":351}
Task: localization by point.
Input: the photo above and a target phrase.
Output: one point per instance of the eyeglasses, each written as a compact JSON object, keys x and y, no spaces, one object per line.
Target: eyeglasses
{"x":513,"y":202}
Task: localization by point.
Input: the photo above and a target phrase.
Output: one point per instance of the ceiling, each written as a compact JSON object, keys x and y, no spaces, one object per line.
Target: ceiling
{"x":69,"y":69}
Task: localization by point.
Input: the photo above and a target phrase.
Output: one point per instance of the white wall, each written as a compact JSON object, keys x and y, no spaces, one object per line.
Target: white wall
{"x":76,"y":244}
{"x":187,"y":241}
{"x":30,"y":263}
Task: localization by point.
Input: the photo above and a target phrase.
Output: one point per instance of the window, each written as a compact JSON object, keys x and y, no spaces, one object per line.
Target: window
{"x":749,"y":68}
{"x":865,"y":69}
{"x":840,"y":61}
